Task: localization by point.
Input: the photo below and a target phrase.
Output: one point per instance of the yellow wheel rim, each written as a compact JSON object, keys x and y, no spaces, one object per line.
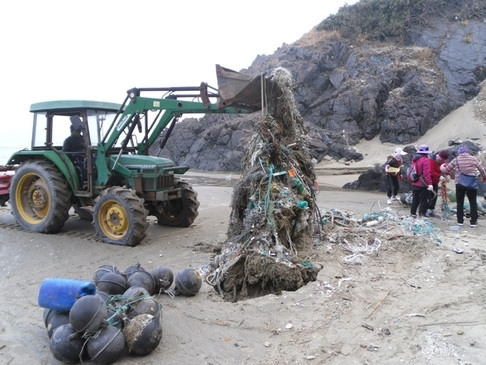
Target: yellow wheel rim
{"x":32,"y":198}
{"x":113,"y":220}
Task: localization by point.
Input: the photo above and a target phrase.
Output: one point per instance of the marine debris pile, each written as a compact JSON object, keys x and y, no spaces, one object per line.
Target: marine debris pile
{"x":274,"y":214}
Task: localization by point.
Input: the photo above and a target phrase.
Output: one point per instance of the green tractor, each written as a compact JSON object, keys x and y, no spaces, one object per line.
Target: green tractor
{"x":111,"y":179}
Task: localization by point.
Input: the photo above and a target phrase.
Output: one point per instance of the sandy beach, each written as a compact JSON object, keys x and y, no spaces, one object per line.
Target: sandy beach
{"x":399,"y":292}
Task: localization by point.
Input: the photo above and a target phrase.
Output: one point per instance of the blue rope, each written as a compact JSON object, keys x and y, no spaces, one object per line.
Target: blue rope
{"x":267,"y":197}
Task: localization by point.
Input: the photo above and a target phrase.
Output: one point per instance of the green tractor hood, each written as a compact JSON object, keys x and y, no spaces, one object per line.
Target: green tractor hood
{"x":134,"y":165}
{"x":137,"y":161}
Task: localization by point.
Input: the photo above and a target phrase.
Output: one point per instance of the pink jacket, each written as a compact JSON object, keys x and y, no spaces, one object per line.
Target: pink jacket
{"x":422,"y":165}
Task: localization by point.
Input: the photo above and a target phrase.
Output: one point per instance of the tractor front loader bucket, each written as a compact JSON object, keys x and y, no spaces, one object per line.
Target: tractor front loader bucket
{"x":239,"y":90}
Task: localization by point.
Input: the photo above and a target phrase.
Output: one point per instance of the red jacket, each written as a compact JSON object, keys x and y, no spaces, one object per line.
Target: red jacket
{"x":422,"y":165}
{"x":435,"y":172}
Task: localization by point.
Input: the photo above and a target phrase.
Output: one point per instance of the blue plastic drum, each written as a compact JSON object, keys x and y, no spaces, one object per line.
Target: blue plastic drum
{"x":60,"y":294}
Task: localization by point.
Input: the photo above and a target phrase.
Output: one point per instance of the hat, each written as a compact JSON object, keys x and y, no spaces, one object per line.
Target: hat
{"x":444,"y":155}
{"x":398,"y":157}
{"x":76,"y":123}
{"x":462,"y":149}
{"x":423,"y":149}
{"x":399,"y":151}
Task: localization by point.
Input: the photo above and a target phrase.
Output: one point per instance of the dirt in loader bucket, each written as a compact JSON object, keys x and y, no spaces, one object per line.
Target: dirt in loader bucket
{"x":274,"y":218}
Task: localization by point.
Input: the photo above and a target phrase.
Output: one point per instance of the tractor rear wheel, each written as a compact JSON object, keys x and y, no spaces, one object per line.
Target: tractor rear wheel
{"x":179,"y":212}
{"x":120,"y":217}
{"x":40,"y":197}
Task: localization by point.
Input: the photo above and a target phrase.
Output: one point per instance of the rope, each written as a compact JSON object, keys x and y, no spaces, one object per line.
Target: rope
{"x":357,"y":251}
{"x":422,"y":227}
{"x":446,"y":210}
{"x":123,"y":304}
{"x":269,"y":185}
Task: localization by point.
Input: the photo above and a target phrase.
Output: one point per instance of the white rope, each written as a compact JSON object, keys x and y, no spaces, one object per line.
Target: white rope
{"x":357,"y":256}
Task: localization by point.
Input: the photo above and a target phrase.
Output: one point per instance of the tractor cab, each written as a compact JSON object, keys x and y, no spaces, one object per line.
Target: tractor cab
{"x":72,"y":128}
{"x":53,"y":120}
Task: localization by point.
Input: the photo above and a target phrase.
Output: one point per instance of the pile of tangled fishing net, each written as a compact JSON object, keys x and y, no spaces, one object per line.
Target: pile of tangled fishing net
{"x":274,"y":213}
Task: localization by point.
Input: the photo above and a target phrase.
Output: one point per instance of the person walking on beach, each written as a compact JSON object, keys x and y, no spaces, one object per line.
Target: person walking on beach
{"x":465,"y":164}
{"x":393,"y":165}
{"x":421,"y":187}
{"x":436,"y":160}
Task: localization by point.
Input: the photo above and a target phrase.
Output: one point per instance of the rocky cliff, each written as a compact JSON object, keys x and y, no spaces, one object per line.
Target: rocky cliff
{"x":348,"y":89}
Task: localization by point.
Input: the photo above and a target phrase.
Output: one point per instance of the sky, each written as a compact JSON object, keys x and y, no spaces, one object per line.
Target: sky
{"x":97,"y":50}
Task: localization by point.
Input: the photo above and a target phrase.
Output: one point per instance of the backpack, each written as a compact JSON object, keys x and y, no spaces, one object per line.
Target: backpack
{"x":412,"y":175}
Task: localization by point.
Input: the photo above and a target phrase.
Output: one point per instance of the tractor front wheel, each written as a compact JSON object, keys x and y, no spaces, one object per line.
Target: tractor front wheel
{"x":179,"y":212}
{"x":40,"y":197}
{"x":120,"y":217}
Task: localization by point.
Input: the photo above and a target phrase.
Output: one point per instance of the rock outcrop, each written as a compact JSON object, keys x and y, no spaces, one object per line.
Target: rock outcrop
{"x":347,"y":92}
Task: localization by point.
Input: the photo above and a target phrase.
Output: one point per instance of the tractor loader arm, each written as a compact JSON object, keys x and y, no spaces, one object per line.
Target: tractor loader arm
{"x":124,"y":125}
{"x":238,"y":94}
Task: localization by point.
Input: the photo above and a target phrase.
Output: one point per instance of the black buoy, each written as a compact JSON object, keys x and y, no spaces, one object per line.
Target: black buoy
{"x":88,"y":313}
{"x":142,"y":334}
{"x":53,"y":319}
{"x":131,"y":269}
{"x":104,"y":269}
{"x":107,"y":347}
{"x":135,"y":292}
{"x":188,"y":282}
{"x":145,"y":306}
{"x":164,"y":277}
{"x":112,"y":283}
{"x":66,"y":345}
{"x":142,"y":278}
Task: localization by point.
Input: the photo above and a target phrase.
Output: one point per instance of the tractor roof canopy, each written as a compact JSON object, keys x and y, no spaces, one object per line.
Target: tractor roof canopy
{"x":74,"y":104}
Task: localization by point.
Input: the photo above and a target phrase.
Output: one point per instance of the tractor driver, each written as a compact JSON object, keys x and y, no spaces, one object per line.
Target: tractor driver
{"x":75,"y":142}
{"x":75,"y":146}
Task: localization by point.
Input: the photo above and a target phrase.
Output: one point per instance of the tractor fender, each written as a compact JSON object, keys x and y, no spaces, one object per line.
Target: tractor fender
{"x":60,"y":159}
